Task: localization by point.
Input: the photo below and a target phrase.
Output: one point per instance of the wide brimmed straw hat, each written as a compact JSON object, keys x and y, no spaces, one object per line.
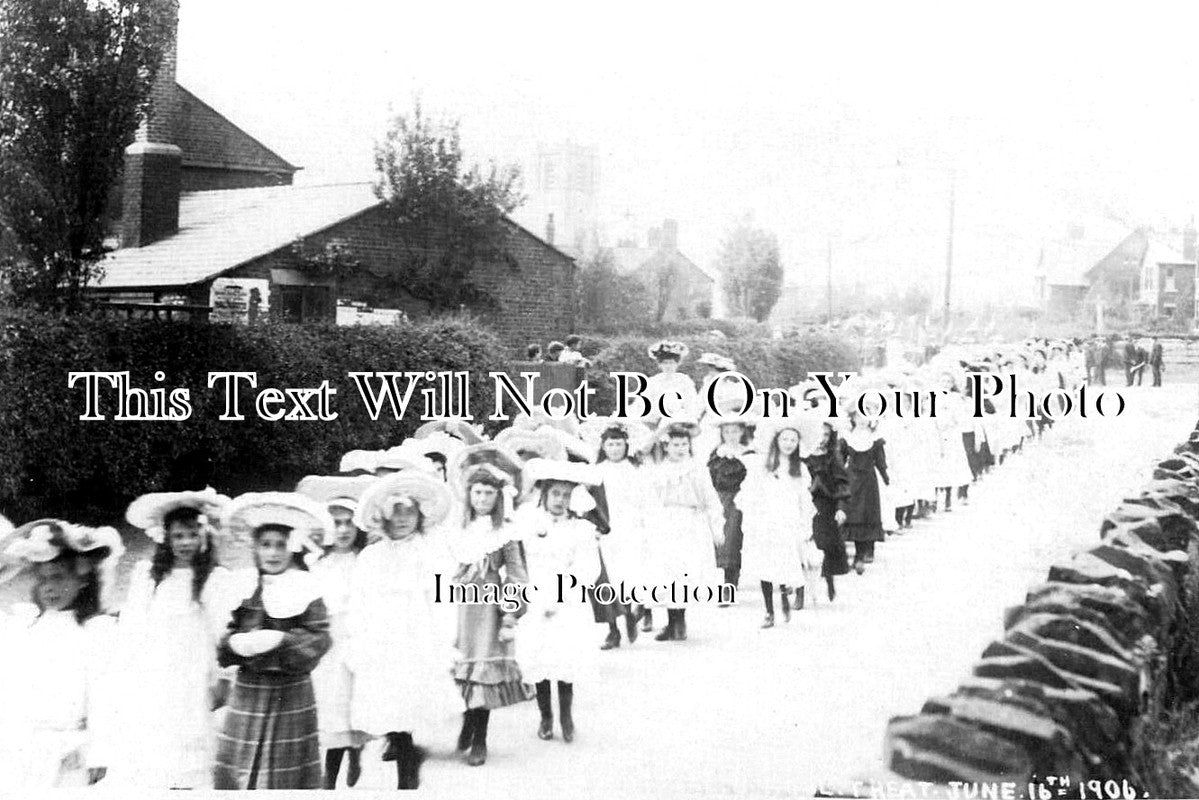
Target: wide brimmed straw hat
{"x":716,"y":361}
{"x":148,"y":511}
{"x":435,"y":442}
{"x":46,"y":539}
{"x":308,"y":519}
{"x":540,"y":419}
{"x":540,"y":469}
{"x":492,"y":458}
{"x":639,"y":434}
{"x":403,"y":458}
{"x":359,"y":461}
{"x":378,"y":502}
{"x":668,"y":349}
{"x":341,"y":491}
{"x":809,"y":426}
{"x":459,"y":429}
{"x":667,"y":427}
{"x":541,"y":443}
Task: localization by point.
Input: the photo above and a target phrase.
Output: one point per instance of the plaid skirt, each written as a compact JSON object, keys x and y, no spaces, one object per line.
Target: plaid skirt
{"x":269,"y":739}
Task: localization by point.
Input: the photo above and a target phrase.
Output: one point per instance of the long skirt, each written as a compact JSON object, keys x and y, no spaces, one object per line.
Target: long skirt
{"x":827,"y":535}
{"x":269,"y":739}
{"x":728,"y":555}
{"x":487,"y":674}
{"x":610,"y":612}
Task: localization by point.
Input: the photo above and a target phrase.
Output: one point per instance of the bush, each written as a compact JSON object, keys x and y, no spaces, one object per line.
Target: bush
{"x":768,"y":362}
{"x":55,"y":464}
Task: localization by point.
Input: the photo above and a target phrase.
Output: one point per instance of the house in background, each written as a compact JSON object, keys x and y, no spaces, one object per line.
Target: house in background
{"x":212,"y":222}
{"x":681,"y":289}
{"x":1139,"y":274}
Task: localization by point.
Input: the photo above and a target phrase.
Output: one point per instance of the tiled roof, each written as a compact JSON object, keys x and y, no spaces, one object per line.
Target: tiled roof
{"x":224,"y":229}
{"x":208,"y":139}
{"x":631,"y":259}
{"x":1066,"y":262}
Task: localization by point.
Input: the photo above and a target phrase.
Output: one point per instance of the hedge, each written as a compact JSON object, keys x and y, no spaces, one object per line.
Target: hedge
{"x":768,"y":362}
{"x":52,"y":463}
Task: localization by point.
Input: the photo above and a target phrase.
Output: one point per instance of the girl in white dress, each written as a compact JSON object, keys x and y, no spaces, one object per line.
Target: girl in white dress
{"x":400,"y":657}
{"x":174,"y":615}
{"x":623,"y":547}
{"x":554,"y":642}
{"x":686,"y":520}
{"x":777,"y":511}
{"x":332,"y":681}
{"x":59,"y":726}
{"x":675,"y":389}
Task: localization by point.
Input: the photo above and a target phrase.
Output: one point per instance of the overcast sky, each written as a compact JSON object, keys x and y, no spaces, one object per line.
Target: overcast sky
{"x":834,"y":120}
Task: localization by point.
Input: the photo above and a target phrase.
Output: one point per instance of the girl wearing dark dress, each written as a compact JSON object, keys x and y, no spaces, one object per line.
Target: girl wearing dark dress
{"x":830,"y":493}
{"x":865,"y":462}
{"x":276,"y":638}
{"x":728,"y":472}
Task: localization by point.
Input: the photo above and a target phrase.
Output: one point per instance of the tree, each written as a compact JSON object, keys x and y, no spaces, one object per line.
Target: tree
{"x":450,"y":220}
{"x":751,"y":269}
{"x":608,"y":299}
{"x":75,"y":79}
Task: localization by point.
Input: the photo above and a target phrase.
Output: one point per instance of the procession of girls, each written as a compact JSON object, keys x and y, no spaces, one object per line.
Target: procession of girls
{"x":271,"y":637}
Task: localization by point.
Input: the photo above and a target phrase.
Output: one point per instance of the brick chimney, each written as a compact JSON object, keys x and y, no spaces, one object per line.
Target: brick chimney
{"x":154,"y":163}
{"x":670,"y":235}
{"x":549,"y":229}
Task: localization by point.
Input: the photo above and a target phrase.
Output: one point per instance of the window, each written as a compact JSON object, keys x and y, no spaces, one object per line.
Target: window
{"x":1169,"y":287}
{"x":306,"y":304}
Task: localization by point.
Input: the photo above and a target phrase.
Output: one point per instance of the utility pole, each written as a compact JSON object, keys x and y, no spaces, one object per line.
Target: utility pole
{"x":953,"y":179}
{"x":830,"y":282}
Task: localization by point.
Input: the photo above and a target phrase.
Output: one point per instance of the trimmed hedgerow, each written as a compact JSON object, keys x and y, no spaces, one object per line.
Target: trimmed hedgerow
{"x":52,"y":463}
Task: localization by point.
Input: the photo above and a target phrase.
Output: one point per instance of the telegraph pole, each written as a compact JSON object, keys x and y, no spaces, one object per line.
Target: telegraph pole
{"x":953,"y":179}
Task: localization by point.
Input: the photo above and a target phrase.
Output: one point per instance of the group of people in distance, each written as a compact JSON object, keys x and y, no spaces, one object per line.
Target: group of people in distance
{"x":271,"y":638}
{"x":1133,"y":356}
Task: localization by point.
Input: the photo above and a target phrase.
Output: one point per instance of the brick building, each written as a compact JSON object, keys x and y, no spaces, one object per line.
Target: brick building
{"x":679,"y":287}
{"x":210,"y":219}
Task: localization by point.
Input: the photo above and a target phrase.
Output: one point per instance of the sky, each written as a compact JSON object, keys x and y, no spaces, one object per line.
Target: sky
{"x":836,"y":126}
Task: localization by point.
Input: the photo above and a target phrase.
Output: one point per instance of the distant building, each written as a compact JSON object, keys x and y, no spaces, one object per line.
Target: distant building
{"x":681,"y":289}
{"x":563,"y":186}
{"x":233,"y":253}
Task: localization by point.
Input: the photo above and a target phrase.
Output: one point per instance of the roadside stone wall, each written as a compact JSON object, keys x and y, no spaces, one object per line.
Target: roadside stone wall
{"x":1104,"y":644}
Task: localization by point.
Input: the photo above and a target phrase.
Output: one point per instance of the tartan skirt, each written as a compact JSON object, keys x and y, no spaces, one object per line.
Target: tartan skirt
{"x":269,"y":739}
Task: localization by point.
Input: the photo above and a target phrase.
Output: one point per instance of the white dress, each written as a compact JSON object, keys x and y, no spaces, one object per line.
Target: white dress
{"x":398,"y":653}
{"x":623,"y":546}
{"x":952,"y":468}
{"x":59,"y":718}
{"x":776,"y":521}
{"x":332,"y":681}
{"x":667,"y":384}
{"x":168,"y":669}
{"x":685,"y":518}
{"x":556,"y":641}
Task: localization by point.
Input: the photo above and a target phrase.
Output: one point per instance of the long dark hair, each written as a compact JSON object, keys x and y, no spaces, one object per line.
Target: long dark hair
{"x":617,"y":433}
{"x":497,"y":511}
{"x":87,"y":602}
{"x":164,"y":558}
{"x":774,"y":456}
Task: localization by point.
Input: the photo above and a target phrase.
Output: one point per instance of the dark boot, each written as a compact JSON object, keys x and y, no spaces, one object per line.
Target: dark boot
{"x":409,"y":764}
{"x":545,"y":705}
{"x":832,"y":588}
{"x":393,"y":749}
{"x":647,"y":620}
{"x":630,"y":625}
{"x":478,"y":748}
{"x":667,"y":633}
{"x":768,"y":601}
{"x":799,"y":599}
{"x":332,"y":766}
{"x":354,"y":770}
{"x":566,"y":696}
{"x":680,"y":626}
{"x":613,"y":639}
{"x":468,"y":731}
{"x":785,"y":601}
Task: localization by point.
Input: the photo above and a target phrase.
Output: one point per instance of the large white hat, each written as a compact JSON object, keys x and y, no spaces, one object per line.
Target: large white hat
{"x":639,"y":435}
{"x":540,"y":469}
{"x":541,"y":443}
{"x":378,"y":502}
{"x":668,"y":349}
{"x":495,"y":459}
{"x":46,"y":539}
{"x":308,"y":519}
{"x":457,"y":428}
{"x":359,"y":461}
{"x":342,"y":491}
{"x":148,"y":511}
{"x":404,"y":457}
{"x":716,"y":361}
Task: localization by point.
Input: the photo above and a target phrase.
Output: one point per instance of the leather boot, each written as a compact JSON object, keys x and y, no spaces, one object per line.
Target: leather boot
{"x":354,"y":770}
{"x":466,"y":736}
{"x":612,"y":641}
{"x":409,"y":765}
{"x":478,"y":748}
{"x":545,"y":705}
{"x":332,"y":766}
{"x":394,"y":747}
{"x":667,"y":633}
{"x":799,"y":599}
{"x":647,"y":620}
{"x":680,"y":626}
{"x":785,"y":604}
{"x":630,"y":626}
{"x":566,"y":695}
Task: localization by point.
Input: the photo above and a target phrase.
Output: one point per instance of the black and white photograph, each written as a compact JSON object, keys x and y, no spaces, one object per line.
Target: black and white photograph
{"x":599,"y":400}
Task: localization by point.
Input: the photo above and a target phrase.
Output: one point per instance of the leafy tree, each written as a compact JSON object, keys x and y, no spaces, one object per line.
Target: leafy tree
{"x":450,"y":219}
{"x":75,"y":78}
{"x":753,"y":274}
{"x":608,"y":299}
